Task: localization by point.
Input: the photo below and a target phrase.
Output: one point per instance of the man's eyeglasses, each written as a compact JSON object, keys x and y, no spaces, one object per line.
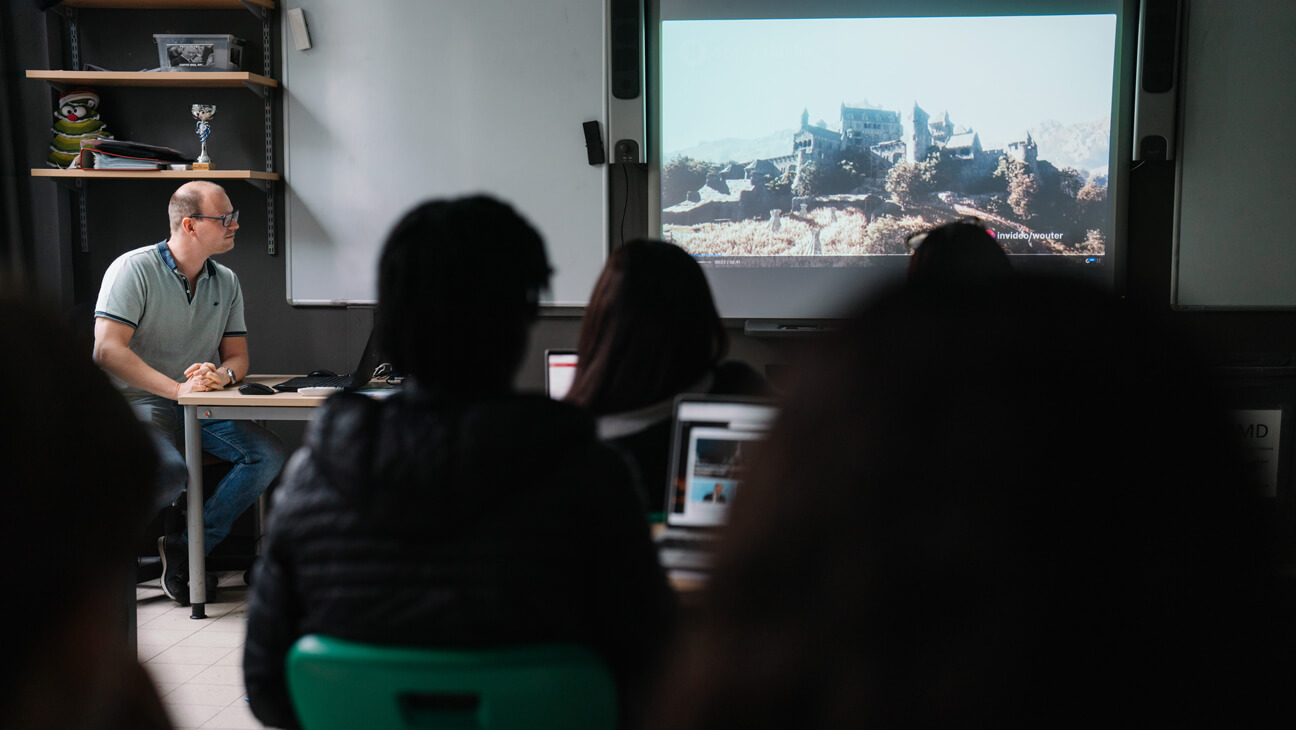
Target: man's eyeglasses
{"x":226,"y":220}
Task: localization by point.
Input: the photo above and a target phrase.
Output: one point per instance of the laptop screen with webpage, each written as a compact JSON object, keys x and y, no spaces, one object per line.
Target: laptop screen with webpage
{"x":711,"y":445}
{"x":560,"y":370}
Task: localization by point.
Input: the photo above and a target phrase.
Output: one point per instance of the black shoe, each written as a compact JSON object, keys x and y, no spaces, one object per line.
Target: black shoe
{"x":175,"y":568}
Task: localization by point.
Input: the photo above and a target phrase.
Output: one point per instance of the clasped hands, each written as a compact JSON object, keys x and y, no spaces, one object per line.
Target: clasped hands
{"x":203,"y":376}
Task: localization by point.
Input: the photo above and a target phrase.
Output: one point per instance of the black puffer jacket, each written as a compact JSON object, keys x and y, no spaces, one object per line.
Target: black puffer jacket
{"x":416,"y":520}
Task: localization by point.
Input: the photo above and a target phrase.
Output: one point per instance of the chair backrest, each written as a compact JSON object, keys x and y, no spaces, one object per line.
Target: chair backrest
{"x":344,"y":684}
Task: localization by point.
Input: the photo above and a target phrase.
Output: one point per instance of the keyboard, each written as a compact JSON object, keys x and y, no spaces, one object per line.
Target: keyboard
{"x":313,"y":381}
{"x":684,"y":542}
{"x":684,"y":559}
{"x":685,"y":550}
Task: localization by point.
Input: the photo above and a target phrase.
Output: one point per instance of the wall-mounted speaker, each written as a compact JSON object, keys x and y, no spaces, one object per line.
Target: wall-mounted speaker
{"x":594,"y":143}
{"x":625,"y":36}
{"x":300,"y":32}
{"x":626,"y":108}
{"x":1157,"y":92}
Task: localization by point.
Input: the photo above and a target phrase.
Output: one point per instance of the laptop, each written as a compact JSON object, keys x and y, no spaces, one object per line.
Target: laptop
{"x":560,"y":369}
{"x":370,"y":367}
{"x":712,"y":441}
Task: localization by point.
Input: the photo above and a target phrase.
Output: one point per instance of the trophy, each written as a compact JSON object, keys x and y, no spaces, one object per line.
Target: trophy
{"x":203,"y":113}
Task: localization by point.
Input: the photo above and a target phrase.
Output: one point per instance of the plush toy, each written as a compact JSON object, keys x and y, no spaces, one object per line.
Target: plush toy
{"x":76,"y":119}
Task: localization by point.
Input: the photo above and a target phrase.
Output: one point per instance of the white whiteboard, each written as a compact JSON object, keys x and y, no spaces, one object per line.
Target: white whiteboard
{"x":1233,"y":241}
{"x":398,"y":101}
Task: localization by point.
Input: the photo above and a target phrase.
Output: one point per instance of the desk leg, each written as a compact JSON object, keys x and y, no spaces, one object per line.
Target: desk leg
{"x":197,"y":556}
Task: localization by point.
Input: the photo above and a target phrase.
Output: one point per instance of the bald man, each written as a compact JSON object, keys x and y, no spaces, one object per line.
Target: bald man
{"x":169,"y":321}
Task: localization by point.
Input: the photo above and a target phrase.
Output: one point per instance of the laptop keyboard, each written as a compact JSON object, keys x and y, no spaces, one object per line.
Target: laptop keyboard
{"x":684,"y":559}
{"x":685,"y":542}
{"x":317,"y":381}
{"x":685,"y":550}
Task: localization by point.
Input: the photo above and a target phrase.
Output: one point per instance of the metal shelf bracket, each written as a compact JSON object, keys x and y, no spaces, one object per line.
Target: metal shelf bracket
{"x":258,"y":89}
{"x":264,"y":186}
{"x":256,"y":10}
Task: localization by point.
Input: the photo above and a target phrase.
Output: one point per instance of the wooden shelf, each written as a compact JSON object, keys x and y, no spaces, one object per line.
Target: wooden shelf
{"x":260,"y":85}
{"x":187,"y":79}
{"x":167,"y":4}
{"x":156,"y":174}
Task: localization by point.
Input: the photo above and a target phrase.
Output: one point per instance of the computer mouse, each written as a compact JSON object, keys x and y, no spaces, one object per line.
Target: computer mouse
{"x":256,"y":389}
{"x":321,"y":374}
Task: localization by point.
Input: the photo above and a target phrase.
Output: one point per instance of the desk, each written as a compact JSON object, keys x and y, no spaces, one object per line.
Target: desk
{"x":227,"y":404}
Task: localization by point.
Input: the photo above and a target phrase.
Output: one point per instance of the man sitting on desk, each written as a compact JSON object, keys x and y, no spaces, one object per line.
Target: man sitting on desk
{"x":169,"y":321}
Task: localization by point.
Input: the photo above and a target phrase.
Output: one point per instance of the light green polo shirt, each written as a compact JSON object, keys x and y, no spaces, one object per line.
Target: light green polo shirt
{"x":177,"y":323}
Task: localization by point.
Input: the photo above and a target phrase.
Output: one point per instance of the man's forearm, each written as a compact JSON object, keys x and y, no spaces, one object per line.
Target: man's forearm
{"x":238,"y":364}
{"x":128,"y":366}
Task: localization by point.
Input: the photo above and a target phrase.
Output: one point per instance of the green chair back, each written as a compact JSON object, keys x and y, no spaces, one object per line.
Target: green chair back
{"x":344,"y":685}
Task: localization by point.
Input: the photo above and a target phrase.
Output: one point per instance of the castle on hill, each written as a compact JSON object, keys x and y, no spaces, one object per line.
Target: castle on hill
{"x":871,"y":136}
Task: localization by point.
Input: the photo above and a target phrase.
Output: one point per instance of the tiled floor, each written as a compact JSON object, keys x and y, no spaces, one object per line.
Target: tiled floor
{"x":197,"y":665}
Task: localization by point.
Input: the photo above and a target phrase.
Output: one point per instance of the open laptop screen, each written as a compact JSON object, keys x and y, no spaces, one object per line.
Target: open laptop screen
{"x":560,"y":369}
{"x":371,"y":366}
{"x":711,"y":446}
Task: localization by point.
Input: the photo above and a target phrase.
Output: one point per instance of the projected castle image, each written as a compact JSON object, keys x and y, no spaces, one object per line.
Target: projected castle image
{"x":861,"y":187}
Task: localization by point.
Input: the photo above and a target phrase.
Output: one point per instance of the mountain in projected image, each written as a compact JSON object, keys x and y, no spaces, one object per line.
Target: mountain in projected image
{"x":1083,"y":146}
{"x":733,"y":149}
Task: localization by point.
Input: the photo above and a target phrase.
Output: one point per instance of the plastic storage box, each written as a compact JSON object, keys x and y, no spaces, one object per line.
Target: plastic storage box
{"x":179,"y":52}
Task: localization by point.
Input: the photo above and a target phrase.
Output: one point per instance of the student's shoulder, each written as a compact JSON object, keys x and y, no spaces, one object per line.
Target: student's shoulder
{"x":343,"y":416}
{"x":735,"y":377}
{"x":563,"y":429}
{"x":538,"y":414}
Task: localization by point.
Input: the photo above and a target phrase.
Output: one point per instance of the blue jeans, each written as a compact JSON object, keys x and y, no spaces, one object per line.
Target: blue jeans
{"x":256,"y":453}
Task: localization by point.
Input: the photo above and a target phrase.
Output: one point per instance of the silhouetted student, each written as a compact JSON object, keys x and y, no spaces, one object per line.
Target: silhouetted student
{"x":456,"y":512}
{"x":651,"y":331}
{"x":958,"y":252}
{"x":79,"y":475}
{"x":1010,"y":509}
